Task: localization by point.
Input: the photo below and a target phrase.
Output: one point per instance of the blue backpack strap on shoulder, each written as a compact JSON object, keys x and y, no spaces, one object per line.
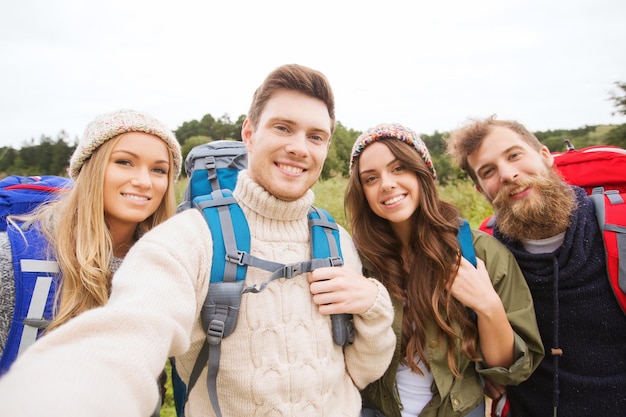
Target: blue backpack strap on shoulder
{"x":36,"y":280}
{"x":221,"y":306}
{"x":222,"y":212}
{"x":231,"y":257}
{"x":231,"y":248}
{"x":466,"y":242}
{"x":326,"y":245}
{"x":325,"y":236}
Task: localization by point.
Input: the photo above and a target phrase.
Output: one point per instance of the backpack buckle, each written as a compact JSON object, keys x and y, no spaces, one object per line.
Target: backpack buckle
{"x":236,"y":258}
{"x":292,"y":270}
{"x":335,"y":261}
{"x":209,"y":164}
{"x":215,"y":332}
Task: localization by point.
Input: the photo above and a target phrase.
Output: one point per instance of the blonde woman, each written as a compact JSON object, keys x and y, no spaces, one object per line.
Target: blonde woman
{"x":124,"y":169}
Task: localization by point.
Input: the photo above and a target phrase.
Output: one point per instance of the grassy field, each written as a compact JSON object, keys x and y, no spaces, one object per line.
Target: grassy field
{"x":329,"y":195}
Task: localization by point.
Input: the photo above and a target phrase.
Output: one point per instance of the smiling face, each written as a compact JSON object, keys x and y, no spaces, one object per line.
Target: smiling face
{"x":504,"y":160}
{"x":136,"y":179}
{"x":530,"y":200}
{"x":391,"y":190}
{"x":286,"y":152}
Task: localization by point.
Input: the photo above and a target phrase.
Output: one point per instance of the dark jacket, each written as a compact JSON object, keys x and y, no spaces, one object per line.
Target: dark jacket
{"x":581,"y":317}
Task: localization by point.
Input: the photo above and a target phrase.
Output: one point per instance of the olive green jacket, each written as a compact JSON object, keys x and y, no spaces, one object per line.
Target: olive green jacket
{"x":457,"y":396}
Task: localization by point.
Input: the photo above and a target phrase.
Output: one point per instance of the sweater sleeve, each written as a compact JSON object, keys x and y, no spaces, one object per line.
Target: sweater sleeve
{"x":374,"y":340}
{"x":106,"y":361}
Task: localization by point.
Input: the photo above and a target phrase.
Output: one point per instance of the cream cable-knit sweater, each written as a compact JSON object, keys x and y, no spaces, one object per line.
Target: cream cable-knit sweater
{"x":280,"y":361}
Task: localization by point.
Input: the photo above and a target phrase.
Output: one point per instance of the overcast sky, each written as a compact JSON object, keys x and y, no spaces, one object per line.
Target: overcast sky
{"x":550,"y":64}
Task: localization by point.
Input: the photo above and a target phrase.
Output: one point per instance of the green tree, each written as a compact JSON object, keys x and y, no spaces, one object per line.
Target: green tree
{"x":619,"y":98}
{"x":187,"y":130}
{"x":8,"y":156}
{"x":617,"y":136}
{"x":207,"y":126}
{"x":338,"y":159}
{"x":225,"y":129}
{"x":192,"y":142}
{"x":238,"y":126}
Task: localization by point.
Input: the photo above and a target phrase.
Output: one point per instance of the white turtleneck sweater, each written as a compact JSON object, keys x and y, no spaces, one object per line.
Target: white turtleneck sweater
{"x":280,"y":360}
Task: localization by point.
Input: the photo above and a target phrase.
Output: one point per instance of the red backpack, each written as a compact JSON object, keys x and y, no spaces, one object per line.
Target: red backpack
{"x":601,"y":171}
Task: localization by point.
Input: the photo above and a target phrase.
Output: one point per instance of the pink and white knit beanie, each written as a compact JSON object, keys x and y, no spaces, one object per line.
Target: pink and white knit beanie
{"x":392,"y":131}
{"x":109,"y":125}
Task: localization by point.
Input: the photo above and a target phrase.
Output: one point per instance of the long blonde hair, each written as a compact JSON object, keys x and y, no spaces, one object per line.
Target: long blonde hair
{"x":80,"y":239}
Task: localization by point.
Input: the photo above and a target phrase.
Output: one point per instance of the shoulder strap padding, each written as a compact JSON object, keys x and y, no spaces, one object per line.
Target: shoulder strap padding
{"x":325,"y":242}
{"x":611,"y":214}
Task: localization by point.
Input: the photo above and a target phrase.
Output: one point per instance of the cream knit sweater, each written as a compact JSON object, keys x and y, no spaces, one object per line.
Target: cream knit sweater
{"x":280,"y":361}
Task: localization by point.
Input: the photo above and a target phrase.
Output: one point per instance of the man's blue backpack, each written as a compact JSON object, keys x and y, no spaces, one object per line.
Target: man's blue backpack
{"x":34,"y":273}
{"x":212,"y":169}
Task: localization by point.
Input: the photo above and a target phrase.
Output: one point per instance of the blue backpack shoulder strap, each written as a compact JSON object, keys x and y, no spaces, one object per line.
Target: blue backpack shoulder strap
{"x":222,"y":212}
{"x":326,"y":245}
{"x":466,"y":242}
{"x":464,"y":236}
{"x":36,"y":280}
{"x":221,"y":306}
{"x":325,"y":239}
{"x":611,"y":214}
{"x":231,"y":257}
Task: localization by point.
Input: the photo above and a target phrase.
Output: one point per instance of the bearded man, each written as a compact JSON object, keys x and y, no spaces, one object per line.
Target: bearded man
{"x":551,"y":228}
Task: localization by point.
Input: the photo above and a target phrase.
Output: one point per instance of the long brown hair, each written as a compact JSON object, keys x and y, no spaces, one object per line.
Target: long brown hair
{"x":424,"y":290}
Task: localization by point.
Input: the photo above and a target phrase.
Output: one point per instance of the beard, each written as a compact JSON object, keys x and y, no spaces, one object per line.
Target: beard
{"x":543,"y":214}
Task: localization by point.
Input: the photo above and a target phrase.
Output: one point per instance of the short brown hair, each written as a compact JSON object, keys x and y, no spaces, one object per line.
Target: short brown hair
{"x":463,"y":141}
{"x":296,"y":78}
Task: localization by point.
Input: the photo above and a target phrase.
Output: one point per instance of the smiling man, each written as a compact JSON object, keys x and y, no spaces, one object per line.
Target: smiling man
{"x":551,"y":229}
{"x":280,"y":359}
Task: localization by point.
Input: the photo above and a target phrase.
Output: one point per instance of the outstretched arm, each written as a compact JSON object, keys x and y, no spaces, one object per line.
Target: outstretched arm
{"x":105,"y":362}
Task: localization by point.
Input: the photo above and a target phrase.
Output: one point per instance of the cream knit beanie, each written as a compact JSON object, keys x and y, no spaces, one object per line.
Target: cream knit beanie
{"x":109,"y":125}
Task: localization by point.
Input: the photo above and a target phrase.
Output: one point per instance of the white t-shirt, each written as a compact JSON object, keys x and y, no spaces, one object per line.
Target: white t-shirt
{"x":414,"y":389}
{"x":547,"y":245}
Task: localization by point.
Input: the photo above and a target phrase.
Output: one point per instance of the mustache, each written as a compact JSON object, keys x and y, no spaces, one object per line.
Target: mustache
{"x":545,"y":215}
{"x":518,"y":185}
